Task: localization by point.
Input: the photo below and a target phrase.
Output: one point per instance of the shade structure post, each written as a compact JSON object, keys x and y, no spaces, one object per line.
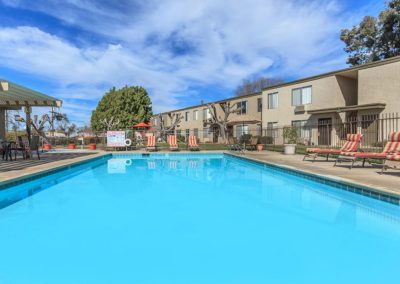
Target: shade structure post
{"x":28,"y":111}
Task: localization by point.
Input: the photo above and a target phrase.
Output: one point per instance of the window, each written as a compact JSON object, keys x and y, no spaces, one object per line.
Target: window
{"x":187,"y":133}
{"x":242,"y":129}
{"x":258,"y":130}
{"x":206,"y":132}
{"x":187,"y":116}
{"x":179,"y":132}
{"x":195,"y":115}
{"x":302,"y":130}
{"x":259,"y":104}
{"x":242,"y":106}
{"x":196,"y":132}
{"x":272,"y":129}
{"x":272,"y":100}
{"x":301,"y":96}
{"x":206,"y":114}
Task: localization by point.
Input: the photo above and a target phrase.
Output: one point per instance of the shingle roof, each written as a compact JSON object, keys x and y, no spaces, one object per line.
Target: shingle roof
{"x":14,"y":95}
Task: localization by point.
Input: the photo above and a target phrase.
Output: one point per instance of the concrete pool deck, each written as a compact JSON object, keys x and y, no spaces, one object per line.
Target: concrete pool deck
{"x":388,"y":183}
{"x":370,"y":176}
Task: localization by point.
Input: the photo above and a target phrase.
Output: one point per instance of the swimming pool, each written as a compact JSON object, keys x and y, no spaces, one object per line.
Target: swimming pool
{"x":197,"y":218}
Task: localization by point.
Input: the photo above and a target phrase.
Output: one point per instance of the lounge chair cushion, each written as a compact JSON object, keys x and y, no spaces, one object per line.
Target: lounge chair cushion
{"x":393,"y":157}
{"x":351,"y":145}
{"x":364,"y":155}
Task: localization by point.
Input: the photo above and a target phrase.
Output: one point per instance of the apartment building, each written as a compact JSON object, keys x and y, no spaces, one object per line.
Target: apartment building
{"x":247,"y":120}
{"x":313,"y":104}
{"x":319,"y":103}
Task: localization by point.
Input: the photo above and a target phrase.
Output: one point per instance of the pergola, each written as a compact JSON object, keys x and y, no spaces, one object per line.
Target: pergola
{"x":16,"y":97}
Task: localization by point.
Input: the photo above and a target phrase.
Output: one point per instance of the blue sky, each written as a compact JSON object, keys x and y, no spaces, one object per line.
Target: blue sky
{"x":182,"y":52}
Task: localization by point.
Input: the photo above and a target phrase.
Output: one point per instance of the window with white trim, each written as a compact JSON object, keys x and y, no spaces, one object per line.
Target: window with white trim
{"x":302,"y":96}
{"x":272,"y":100}
{"x":242,"y":107}
{"x":195,"y":115}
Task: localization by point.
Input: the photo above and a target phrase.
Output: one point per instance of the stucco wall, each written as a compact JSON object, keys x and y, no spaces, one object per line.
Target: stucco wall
{"x":326,"y":92}
{"x":380,"y":84}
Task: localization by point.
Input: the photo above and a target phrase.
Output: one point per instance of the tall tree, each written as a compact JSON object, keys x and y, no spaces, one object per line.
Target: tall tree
{"x":163,"y":130}
{"x":374,"y":39}
{"x":126,"y":106}
{"x":221,"y":122}
{"x":249,"y":87}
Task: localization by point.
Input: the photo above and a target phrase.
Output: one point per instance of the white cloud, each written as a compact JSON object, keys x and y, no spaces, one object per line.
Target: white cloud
{"x":169,"y":46}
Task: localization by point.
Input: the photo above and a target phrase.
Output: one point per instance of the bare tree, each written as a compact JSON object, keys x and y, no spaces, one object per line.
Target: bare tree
{"x":110,"y":124}
{"x":175,"y":119}
{"x":221,"y":121}
{"x":256,"y":85}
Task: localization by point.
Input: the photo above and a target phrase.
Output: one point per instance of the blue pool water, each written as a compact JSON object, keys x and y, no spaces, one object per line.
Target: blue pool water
{"x":192,"y":219}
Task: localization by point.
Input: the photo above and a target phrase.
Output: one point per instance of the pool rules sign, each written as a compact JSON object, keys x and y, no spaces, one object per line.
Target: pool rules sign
{"x":115,"y":138}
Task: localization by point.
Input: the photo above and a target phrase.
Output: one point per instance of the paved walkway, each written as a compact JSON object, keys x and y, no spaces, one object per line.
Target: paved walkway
{"x":10,"y":170}
{"x":369,"y":176}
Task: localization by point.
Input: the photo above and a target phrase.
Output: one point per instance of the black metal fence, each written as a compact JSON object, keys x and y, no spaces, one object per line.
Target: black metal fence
{"x":324,"y":133}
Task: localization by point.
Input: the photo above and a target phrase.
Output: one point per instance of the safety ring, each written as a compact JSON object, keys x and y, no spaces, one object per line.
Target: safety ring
{"x":128,"y":142}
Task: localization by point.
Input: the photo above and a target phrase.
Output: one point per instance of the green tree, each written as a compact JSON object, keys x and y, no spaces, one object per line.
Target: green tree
{"x":125,"y":106}
{"x":374,"y":39}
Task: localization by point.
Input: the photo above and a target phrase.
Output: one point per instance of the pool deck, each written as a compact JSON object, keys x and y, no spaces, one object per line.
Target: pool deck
{"x":370,"y":176}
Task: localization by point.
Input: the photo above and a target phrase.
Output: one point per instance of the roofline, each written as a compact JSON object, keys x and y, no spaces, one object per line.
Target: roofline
{"x":5,"y":87}
{"x":337,"y":72}
{"x":315,"y":77}
{"x":213,"y":102}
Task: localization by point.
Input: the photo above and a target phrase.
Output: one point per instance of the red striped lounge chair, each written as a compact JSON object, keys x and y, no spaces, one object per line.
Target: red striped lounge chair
{"x":351,"y":145}
{"x":392,"y":161}
{"x":192,"y":143}
{"x":173,"y":143}
{"x":391,"y":147}
{"x":151,"y":143}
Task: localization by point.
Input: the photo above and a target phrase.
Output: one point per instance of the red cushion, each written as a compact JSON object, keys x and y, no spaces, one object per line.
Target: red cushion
{"x":327,"y":151}
{"x":394,"y":157}
{"x":370,"y":155}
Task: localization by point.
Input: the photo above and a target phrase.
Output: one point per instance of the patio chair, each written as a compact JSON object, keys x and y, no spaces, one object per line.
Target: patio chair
{"x":233,"y":145}
{"x":151,"y":143}
{"x":392,"y":162}
{"x":252,"y":144}
{"x":173,"y":143}
{"x":192,"y":143}
{"x":391,"y":147}
{"x":19,"y":146}
{"x":351,"y":145}
{"x":31,"y":147}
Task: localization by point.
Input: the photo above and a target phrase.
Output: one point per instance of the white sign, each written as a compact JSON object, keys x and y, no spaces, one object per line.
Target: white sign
{"x":115,"y":138}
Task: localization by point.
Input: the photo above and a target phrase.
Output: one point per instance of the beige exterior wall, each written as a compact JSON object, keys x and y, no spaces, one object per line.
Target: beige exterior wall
{"x":380,"y":84}
{"x":332,"y":91}
{"x":192,"y":124}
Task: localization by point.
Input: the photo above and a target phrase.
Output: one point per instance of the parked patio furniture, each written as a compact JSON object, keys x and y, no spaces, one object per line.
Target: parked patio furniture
{"x":173,"y":143}
{"x":391,"y":147}
{"x":31,"y":147}
{"x":19,"y":146}
{"x":392,"y":162}
{"x":192,"y":143}
{"x":7,"y":147}
{"x":351,"y":145}
{"x":252,"y":145}
{"x":233,"y":145}
{"x":151,"y":143}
